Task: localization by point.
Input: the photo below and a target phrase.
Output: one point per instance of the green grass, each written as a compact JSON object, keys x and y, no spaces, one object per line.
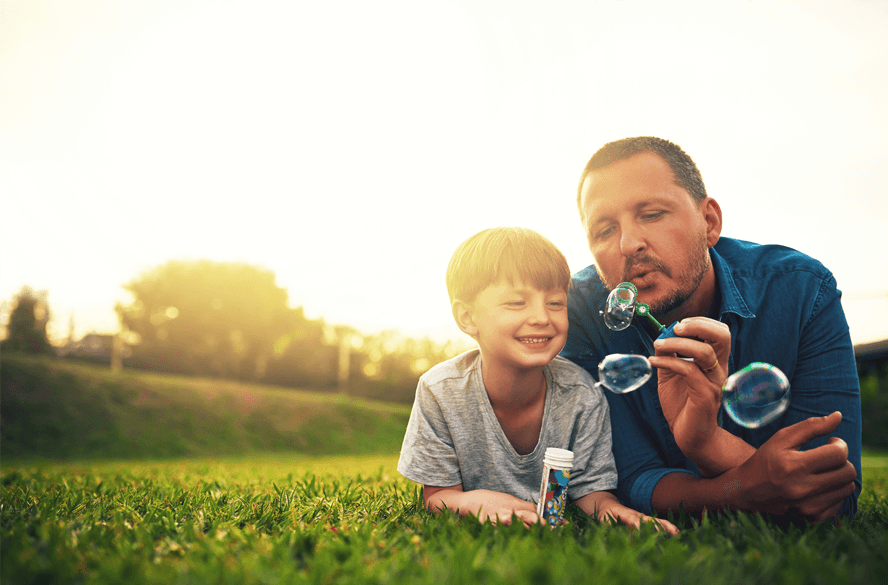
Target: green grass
{"x":60,"y":410}
{"x":145,"y":478}
{"x":354,"y":520}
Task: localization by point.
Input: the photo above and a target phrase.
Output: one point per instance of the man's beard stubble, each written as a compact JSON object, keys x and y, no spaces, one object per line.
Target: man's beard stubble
{"x":689,"y":278}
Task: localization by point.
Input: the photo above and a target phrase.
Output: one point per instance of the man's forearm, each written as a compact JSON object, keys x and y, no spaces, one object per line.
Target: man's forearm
{"x":724,"y":452}
{"x":694,"y":493}
{"x":777,"y":478}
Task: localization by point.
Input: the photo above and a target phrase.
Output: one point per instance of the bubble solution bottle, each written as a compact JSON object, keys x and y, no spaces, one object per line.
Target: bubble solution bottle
{"x":553,"y":491}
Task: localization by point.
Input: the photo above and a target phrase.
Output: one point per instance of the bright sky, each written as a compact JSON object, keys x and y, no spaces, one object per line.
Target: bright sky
{"x":350,"y":146}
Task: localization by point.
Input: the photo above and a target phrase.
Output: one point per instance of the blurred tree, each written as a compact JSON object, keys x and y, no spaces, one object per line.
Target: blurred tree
{"x":204,"y":317}
{"x":26,"y":330}
{"x":389,"y":365}
{"x":306,"y":358}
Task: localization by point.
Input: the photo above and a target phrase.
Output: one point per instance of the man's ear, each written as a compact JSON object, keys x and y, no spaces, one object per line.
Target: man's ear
{"x":464,"y":317}
{"x":712,"y":214}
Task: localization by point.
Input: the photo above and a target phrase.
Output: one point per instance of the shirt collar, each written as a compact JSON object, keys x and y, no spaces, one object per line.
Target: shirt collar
{"x":731,"y":299}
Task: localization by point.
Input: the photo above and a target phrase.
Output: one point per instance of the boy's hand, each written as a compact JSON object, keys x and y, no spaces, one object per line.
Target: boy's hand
{"x":485,"y":504}
{"x":605,"y":507}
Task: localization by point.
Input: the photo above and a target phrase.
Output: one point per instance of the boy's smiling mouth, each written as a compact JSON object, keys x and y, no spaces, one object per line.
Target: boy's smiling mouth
{"x":534,"y":339}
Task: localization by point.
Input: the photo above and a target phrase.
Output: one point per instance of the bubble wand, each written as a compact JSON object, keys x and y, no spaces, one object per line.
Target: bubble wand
{"x":622,"y":304}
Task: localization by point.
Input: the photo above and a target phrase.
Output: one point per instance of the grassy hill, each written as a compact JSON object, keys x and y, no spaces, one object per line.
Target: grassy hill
{"x":60,"y":410}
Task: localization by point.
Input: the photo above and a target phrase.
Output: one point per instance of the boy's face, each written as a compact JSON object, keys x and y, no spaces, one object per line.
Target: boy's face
{"x":518,"y":325}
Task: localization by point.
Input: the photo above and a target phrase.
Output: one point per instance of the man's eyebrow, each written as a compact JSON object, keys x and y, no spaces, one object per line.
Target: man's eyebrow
{"x":657,"y":201}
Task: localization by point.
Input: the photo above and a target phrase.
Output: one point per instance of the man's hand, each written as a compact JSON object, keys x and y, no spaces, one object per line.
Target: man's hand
{"x":780,"y":479}
{"x":690,"y":391}
{"x":605,"y":507}
{"x":485,"y":504}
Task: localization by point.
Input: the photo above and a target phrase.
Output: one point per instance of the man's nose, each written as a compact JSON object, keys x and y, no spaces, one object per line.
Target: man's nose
{"x":632,"y":241}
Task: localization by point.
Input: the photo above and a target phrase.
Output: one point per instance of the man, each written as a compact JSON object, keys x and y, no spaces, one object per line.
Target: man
{"x":648,"y":220}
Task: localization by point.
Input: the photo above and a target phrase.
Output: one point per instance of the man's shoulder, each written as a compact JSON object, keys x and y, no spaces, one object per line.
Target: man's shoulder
{"x":586,"y":286}
{"x":586,"y":277}
{"x":458,"y":367}
{"x":751,"y":259}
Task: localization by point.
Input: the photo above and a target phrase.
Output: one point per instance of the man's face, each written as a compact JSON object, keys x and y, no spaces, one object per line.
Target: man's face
{"x":645,"y":229}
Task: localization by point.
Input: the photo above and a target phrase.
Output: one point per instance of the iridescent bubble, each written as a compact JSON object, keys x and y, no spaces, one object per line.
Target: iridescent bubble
{"x":756,"y":395}
{"x":621,"y":373}
{"x":619,"y":308}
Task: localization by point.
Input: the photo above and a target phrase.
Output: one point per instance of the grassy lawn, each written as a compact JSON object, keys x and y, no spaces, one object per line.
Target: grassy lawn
{"x":290,"y":519}
{"x":131,"y":489}
{"x":59,"y":410}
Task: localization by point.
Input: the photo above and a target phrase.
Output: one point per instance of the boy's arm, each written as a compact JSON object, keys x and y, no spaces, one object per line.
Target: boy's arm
{"x":485,"y":504}
{"x":604,"y":507}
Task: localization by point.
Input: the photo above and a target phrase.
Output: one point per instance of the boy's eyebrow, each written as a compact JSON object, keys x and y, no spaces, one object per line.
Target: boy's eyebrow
{"x":530,"y":289}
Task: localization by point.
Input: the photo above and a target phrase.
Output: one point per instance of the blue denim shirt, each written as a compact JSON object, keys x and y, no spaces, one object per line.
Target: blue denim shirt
{"x":782,"y":308}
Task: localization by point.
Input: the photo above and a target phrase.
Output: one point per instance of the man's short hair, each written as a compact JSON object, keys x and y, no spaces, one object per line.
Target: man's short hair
{"x":684,"y":171}
{"x":511,"y":253}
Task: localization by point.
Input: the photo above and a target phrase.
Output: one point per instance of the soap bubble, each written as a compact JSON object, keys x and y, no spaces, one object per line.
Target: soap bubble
{"x":753,"y":396}
{"x":620,"y":307}
{"x":756,"y":395}
{"x":622,"y":373}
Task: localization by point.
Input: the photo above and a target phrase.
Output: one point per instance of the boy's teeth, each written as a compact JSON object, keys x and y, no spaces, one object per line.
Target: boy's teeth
{"x":532,"y":339}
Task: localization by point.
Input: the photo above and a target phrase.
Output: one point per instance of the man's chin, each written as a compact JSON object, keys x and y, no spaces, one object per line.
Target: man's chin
{"x":667,"y":303}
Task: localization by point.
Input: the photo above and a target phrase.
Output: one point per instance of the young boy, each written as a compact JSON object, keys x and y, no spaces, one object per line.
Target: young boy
{"x":482,"y":421}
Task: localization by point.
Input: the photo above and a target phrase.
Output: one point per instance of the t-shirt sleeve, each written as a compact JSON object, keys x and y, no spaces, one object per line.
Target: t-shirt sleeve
{"x":428,"y":455}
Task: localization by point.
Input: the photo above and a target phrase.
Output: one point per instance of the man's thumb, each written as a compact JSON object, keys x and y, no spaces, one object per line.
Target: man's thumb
{"x":800,"y":433}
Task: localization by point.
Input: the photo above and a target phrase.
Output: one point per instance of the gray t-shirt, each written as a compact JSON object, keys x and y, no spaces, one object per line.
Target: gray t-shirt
{"x":454,"y":437}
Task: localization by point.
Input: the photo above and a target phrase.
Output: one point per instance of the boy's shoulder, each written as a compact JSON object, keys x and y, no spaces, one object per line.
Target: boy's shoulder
{"x":460,"y":366}
{"x":568,"y":374}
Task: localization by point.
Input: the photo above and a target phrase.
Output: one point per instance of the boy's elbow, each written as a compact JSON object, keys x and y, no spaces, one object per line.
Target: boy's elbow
{"x":432,"y":505}
{"x":440,"y":498}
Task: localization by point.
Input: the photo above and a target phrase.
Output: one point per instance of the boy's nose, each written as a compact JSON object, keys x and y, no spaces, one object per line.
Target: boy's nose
{"x":539,"y":314}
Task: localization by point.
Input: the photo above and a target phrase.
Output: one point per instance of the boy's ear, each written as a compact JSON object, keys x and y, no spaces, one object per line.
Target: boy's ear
{"x":462,"y":314}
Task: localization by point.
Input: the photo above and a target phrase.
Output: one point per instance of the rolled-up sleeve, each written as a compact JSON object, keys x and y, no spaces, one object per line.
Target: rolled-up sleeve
{"x":640,"y":463}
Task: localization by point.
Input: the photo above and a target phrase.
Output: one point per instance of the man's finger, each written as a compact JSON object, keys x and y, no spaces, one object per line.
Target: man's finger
{"x":680,"y":367}
{"x":686,"y":347}
{"x":704,"y":329}
{"x":825,"y":458}
{"x":675,"y":365}
{"x":826,"y":505}
{"x":794,"y":436}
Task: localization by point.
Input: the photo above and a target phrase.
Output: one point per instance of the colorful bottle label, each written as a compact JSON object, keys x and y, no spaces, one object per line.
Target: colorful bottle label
{"x":553,"y":496}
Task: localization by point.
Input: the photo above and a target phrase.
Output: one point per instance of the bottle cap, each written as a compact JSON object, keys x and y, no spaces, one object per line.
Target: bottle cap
{"x":559,"y":458}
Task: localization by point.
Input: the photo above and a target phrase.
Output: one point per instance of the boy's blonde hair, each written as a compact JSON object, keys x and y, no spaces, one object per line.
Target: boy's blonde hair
{"x":511,"y":253}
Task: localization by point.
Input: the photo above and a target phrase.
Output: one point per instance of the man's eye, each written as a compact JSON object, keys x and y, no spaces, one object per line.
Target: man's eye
{"x":652,"y":215}
{"x":605,"y":232}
